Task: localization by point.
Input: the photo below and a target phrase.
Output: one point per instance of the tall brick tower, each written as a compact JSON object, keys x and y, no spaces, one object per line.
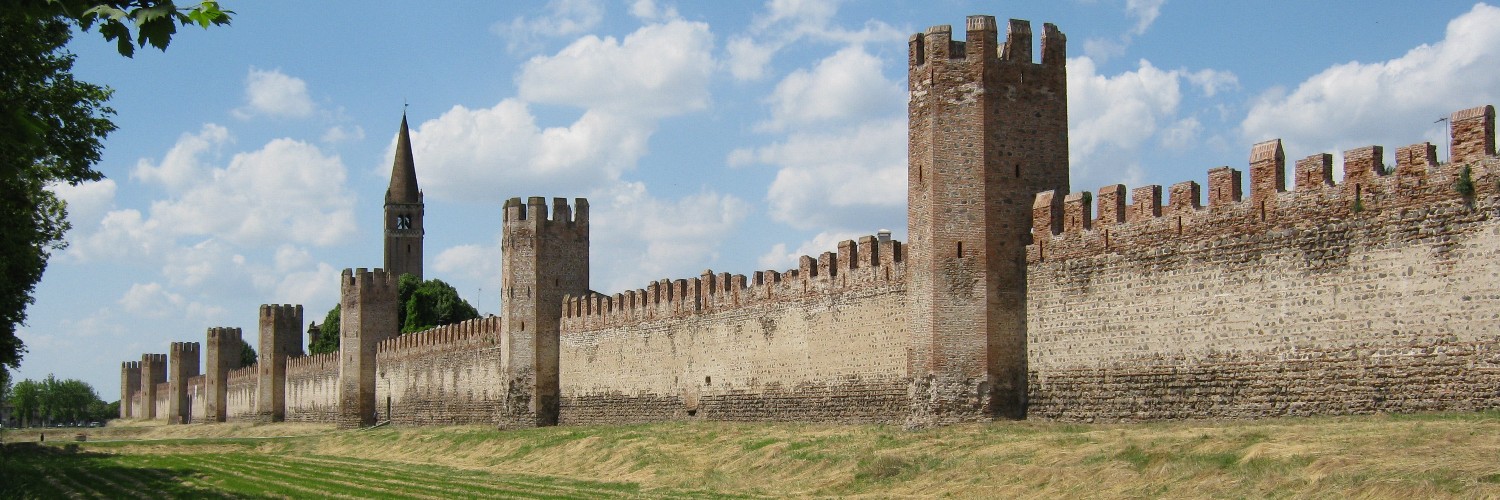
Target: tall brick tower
{"x":988,"y":130}
{"x":183,"y":366}
{"x":153,"y":372}
{"x":367,"y":301}
{"x":130,"y":386}
{"x":403,"y":212}
{"x":280,"y":336}
{"x":223,"y":355}
{"x":544,"y":260}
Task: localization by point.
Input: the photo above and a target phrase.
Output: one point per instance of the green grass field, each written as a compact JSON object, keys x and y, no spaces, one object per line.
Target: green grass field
{"x":1384,"y":456}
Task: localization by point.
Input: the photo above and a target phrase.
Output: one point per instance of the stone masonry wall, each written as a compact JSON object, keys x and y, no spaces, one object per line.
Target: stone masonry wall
{"x":241,"y":395}
{"x":197,"y":399}
{"x":825,"y":342}
{"x":312,"y":388}
{"x":1376,"y":294}
{"x":162,"y":400}
{"x":443,"y":376}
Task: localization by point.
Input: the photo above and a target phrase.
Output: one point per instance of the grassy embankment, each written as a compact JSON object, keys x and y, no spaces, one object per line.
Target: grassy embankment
{"x":1412,"y":456}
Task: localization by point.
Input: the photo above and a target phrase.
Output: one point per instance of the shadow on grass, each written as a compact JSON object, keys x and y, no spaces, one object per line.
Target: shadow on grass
{"x":32,"y":470}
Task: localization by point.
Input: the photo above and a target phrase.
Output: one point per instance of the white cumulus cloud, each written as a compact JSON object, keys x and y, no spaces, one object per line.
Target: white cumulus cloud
{"x":1391,"y":103}
{"x":657,"y":71}
{"x":563,"y":18}
{"x":275,"y":94}
{"x":847,"y":85}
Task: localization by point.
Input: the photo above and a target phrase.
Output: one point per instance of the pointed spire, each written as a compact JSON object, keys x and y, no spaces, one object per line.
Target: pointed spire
{"x":404,"y":172}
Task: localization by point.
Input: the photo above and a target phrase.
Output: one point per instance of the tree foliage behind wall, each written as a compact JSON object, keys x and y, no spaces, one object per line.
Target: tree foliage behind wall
{"x":422,"y":305}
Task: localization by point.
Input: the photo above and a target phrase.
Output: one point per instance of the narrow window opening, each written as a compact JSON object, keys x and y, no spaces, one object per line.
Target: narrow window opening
{"x":1018,"y":170}
{"x":960,"y":249}
{"x":708,"y":380}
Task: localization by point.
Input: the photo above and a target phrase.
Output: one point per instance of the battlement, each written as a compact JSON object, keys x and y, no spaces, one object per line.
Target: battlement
{"x":535,"y":212}
{"x":1064,"y":226}
{"x":478,"y":332}
{"x":872,"y":262}
{"x":223,"y":333}
{"x":131,"y":366}
{"x":982,"y":44}
{"x":185,"y":348}
{"x":364,"y":281}
{"x":243,"y":375}
{"x":312,"y":364}
{"x":281,"y":310}
{"x":153,"y":359}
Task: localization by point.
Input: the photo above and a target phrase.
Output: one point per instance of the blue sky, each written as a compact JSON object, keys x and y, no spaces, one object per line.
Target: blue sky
{"x":251,"y":161}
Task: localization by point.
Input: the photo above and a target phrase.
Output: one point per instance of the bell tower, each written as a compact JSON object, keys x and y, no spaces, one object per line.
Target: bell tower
{"x":403,"y":212}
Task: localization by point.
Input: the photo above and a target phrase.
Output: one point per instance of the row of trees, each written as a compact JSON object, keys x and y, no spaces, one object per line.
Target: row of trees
{"x":424,"y":304}
{"x":53,"y":401}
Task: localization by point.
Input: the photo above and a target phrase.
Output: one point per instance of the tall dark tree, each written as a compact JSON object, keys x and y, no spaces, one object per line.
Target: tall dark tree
{"x":53,"y":134}
{"x":434,"y":303}
{"x":52,"y":126}
{"x":247,"y":354}
{"x":328,"y":336}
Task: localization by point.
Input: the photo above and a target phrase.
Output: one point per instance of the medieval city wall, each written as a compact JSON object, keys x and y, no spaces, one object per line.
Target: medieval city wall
{"x":241,"y":394}
{"x":197,"y":398}
{"x":825,"y":342}
{"x":163,"y":395}
{"x":442,"y":376}
{"x":312,"y":388}
{"x":1376,"y":294}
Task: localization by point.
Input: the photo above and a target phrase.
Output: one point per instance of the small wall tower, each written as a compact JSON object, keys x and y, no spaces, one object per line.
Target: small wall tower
{"x":224,"y":346}
{"x":403,"y":212}
{"x":130,"y":386}
{"x":153,"y":372}
{"x":280,"y":337}
{"x":183,"y":365}
{"x":544,"y":260}
{"x":988,"y":129}
{"x":367,"y":300}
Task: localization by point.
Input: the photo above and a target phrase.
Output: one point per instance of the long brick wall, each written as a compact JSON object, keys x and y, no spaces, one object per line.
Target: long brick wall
{"x":1376,"y":294}
{"x":826,"y":342}
{"x":241,"y":394}
{"x":442,"y":376}
{"x":312,"y":388}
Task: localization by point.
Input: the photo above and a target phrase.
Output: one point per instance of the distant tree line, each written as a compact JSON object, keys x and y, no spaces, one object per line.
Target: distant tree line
{"x":423,"y":305}
{"x":52,"y":401}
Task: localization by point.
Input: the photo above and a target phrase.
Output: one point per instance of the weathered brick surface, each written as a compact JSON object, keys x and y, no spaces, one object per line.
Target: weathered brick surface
{"x":280,"y":338}
{"x":987,"y":130}
{"x":368,"y":310}
{"x":183,"y":364}
{"x":130,"y":386}
{"x":312,"y":388}
{"x":240,"y":394}
{"x":1315,"y":305}
{"x":546,"y":259}
{"x":825,"y":342}
{"x":444,"y":376}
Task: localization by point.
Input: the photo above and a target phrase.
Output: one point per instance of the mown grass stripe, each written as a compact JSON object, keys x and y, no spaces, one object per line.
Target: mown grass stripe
{"x":277,"y":484}
{"x":75,"y":488}
{"x":444,"y":486}
{"x":573,"y":486}
{"x":183,"y":471}
{"x":38,"y":479}
{"x":329,"y":477}
{"x":566,"y":488}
